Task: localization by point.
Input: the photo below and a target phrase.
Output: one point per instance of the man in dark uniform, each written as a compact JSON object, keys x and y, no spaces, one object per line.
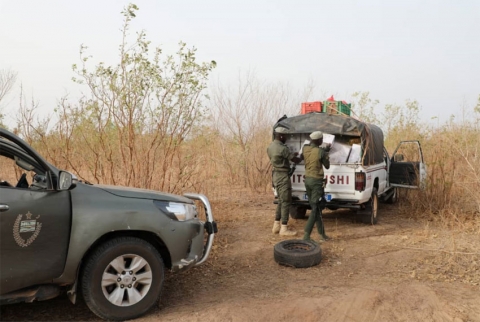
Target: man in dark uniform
{"x":280,"y":157}
{"x":315,"y":159}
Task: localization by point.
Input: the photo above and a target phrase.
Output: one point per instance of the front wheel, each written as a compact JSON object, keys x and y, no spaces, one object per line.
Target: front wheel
{"x":122,"y":279}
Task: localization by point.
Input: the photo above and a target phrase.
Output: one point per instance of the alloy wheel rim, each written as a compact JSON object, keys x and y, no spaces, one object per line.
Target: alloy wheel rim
{"x":126,"y":280}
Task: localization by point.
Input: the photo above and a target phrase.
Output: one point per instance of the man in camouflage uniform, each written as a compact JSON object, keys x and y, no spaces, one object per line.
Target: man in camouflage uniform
{"x":280,"y":157}
{"x":315,"y":159}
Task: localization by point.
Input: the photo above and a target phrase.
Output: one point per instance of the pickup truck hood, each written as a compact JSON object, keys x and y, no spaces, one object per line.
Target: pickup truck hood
{"x":128,"y":192}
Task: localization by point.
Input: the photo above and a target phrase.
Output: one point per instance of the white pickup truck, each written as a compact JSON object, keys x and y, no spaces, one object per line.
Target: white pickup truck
{"x":361,"y":170}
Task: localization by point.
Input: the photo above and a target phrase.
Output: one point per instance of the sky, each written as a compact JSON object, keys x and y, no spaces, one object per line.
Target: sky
{"x":421,"y":50}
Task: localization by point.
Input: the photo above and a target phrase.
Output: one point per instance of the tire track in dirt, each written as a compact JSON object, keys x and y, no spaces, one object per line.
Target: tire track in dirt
{"x":365,"y":275}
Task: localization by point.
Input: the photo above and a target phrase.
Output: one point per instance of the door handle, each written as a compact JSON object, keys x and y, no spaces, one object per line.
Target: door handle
{"x":4,"y":207}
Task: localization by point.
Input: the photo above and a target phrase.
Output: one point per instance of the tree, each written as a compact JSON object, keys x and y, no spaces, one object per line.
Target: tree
{"x":244,"y":116}
{"x":476,"y":110}
{"x":136,"y":115}
{"x":7,"y":81}
{"x":364,"y":107}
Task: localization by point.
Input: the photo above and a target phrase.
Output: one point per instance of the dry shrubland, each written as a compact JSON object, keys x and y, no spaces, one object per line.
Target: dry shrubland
{"x":147,"y":122}
{"x":452,"y":196}
{"x":226,"y":152}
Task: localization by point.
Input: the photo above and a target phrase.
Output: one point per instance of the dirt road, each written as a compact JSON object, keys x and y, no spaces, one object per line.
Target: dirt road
{"x":402,"y":269}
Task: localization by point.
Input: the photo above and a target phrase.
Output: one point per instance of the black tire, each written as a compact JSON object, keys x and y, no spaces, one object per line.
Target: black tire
{"x":394,"y":197}
{"x":297,"y":212}
{"x":370,"y":214}
{"x":297,"y":253}
{"x":99,"y":269}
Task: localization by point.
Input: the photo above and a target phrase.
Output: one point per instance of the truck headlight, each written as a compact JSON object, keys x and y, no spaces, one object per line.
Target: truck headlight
{"x":176,"y":210}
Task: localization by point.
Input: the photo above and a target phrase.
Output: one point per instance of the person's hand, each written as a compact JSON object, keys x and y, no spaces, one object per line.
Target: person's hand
{"x":291,"y":170}
{"x":328,"y":148}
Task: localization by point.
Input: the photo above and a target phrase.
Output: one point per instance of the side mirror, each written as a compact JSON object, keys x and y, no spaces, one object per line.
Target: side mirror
{"x":66,"y":181}
{"x":398,"y":158}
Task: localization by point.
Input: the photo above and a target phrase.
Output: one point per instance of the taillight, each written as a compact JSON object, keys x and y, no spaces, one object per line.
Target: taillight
{"x":359,"y":181}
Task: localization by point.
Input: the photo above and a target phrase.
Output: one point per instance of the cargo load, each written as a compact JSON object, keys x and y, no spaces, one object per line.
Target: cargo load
{"x":346,"y":130}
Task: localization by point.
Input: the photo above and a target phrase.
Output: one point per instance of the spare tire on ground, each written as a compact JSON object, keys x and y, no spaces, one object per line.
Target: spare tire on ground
{"x":297,"y":253}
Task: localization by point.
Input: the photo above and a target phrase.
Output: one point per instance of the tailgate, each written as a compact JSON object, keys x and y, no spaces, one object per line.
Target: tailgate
{"x":340,"y":176}
{"x":340,"y":180}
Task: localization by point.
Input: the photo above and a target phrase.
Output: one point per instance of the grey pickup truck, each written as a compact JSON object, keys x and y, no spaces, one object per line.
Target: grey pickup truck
{"x":58,"y":234}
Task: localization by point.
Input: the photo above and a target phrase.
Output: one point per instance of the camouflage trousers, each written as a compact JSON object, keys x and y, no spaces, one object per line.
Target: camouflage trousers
{"x":315,"y":191}
{"x":281,"y":182}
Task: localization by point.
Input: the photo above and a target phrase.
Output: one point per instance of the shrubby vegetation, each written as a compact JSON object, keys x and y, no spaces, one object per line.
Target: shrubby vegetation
{"x":451,"y":151}
{"x":147,"y":122}
{"x":7,"y":81}
{"x":132,"y":124}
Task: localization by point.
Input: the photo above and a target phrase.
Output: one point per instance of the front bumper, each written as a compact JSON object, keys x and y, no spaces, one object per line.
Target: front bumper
{"x":210,"y":227}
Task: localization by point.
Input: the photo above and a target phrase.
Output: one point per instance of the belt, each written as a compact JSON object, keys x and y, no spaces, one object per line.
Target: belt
{"x":280,"y":170}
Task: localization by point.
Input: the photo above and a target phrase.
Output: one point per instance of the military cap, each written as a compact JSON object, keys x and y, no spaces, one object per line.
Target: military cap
{"x":281,"y":130}
{"x":317,"y":135}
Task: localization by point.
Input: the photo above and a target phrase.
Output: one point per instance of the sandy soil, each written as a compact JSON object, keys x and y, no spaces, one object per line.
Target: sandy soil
{"x":403,"y":269}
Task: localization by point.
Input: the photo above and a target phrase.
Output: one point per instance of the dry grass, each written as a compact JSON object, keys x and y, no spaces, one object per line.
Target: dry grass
{"x":447,"y":255}
{"x":225,"y":157}
{"x":452,"y":196}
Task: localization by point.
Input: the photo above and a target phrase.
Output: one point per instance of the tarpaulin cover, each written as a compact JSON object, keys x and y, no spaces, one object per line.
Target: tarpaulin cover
{"x":371,"y":135}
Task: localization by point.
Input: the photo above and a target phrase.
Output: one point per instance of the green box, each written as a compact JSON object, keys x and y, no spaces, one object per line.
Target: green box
{"x":337,"y":107}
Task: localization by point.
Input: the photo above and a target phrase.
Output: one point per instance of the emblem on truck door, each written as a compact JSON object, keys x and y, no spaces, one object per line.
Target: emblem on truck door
{"x":28,"y":225}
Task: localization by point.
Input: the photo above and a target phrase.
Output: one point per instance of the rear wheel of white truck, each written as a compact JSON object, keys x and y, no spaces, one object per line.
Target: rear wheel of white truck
{"x":370,"y":213}
{"x":122,"y":279}
{"x":298,"y":212}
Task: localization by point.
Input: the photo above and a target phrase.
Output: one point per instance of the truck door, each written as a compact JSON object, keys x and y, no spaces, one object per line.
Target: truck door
{"x":34,"y":226}
{"x":407,"y":168}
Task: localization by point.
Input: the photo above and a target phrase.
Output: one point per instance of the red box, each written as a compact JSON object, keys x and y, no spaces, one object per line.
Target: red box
{"x":311,"y":107}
